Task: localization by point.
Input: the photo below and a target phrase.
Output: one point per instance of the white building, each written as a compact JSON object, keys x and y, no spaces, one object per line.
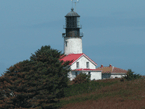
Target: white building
{"x":73,"y":49}
{"x":82,"y":64}
{"x":112,"y":72}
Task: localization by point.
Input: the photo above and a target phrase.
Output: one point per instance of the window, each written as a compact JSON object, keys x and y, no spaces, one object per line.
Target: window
{"x":78,"y":22}
{"x":87,"y":64}
{"x":77,"y":65}
{"x":66,"y":43}
{"x":76,"y":73}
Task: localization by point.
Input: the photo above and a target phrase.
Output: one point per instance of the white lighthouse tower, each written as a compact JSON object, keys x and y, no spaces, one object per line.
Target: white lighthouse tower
{"x":72,"y":36}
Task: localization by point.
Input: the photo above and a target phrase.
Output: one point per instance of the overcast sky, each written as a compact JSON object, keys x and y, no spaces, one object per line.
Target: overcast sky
{"x":114,"y":30}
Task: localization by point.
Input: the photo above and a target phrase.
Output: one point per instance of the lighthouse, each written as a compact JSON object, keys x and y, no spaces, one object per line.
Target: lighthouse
{"x":72,"y":36}
{"x":80,"y":63}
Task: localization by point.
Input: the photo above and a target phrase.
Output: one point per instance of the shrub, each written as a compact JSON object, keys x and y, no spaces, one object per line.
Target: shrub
{"x":131,"y":75}
{"x":77,"y":89}
{"x":81,"y":78}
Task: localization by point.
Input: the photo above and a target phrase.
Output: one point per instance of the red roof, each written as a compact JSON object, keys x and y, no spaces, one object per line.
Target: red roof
{"x":118,"y":70}
{"x":75,"y":57}
{"x":87,"y":69}
{"x":71,"y":57}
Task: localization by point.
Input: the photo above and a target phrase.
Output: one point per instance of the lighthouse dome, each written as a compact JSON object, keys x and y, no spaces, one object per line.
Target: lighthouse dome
{"x":72,"y":13}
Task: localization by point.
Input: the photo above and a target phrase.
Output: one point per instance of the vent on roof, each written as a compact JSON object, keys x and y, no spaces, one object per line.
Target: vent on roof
{"x":101,"y":65}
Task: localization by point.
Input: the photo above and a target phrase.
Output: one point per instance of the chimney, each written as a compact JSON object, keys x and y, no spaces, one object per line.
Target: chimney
{"x":101,"y":65}
{"x":110,"y":65}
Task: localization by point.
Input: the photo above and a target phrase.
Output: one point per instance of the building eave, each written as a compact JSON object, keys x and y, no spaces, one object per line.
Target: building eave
{"x":92,"y":70}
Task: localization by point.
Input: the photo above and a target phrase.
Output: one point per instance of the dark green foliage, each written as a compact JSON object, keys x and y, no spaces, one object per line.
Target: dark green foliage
{"x":77,"y":89}
{"x":81,"y":78}
{"x":131,"y":75}
{"x":35,"y":83}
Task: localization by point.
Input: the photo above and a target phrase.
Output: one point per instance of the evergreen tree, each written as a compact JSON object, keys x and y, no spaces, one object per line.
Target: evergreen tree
{"x":131,"y":75}
{"x":35,"y":83}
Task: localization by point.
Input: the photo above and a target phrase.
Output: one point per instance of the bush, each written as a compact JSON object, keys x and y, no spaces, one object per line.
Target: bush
{"x":81,"y":78}
{"x":77,"y":89}
{"x":131,"y":76}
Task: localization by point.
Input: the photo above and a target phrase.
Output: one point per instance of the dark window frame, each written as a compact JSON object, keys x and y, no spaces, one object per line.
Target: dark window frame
{"x":66,"y":43}
{"x":76,"y":73}
{"x":87,"y":65}
{"x":77,"y":65}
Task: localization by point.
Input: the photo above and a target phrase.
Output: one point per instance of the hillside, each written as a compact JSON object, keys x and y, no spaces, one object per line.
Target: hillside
{"x":115,"y":95}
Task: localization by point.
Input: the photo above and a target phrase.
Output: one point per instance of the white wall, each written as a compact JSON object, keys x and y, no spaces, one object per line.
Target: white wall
{"x":82,"y":63}
{"x":74,"y":45}
{"x":70,"y":76}
{"x":96,"y":75}
{"x":117,"y":75}
{"x":107,"y":76}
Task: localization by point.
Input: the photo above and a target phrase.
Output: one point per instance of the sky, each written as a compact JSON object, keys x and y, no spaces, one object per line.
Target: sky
{"x":114,"y":30}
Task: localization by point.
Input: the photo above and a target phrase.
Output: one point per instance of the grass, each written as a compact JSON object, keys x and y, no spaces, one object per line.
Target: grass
{"x":103,"y":90}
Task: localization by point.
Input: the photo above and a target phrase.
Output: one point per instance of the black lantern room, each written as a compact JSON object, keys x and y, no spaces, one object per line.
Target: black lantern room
{"x":72,"y":25}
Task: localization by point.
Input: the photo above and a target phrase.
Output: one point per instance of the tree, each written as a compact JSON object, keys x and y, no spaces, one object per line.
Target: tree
{"x":35,"y":83}
{"x":131,"y":75}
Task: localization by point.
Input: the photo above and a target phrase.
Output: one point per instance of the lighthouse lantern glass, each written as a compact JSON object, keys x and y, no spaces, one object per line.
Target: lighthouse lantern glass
{"x":72,"y":22}
{"x":69,"y":22}
{"x":78,"y":22}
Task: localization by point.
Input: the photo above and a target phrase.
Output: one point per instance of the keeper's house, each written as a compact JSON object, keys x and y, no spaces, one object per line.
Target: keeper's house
{"x":82,"y":64}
